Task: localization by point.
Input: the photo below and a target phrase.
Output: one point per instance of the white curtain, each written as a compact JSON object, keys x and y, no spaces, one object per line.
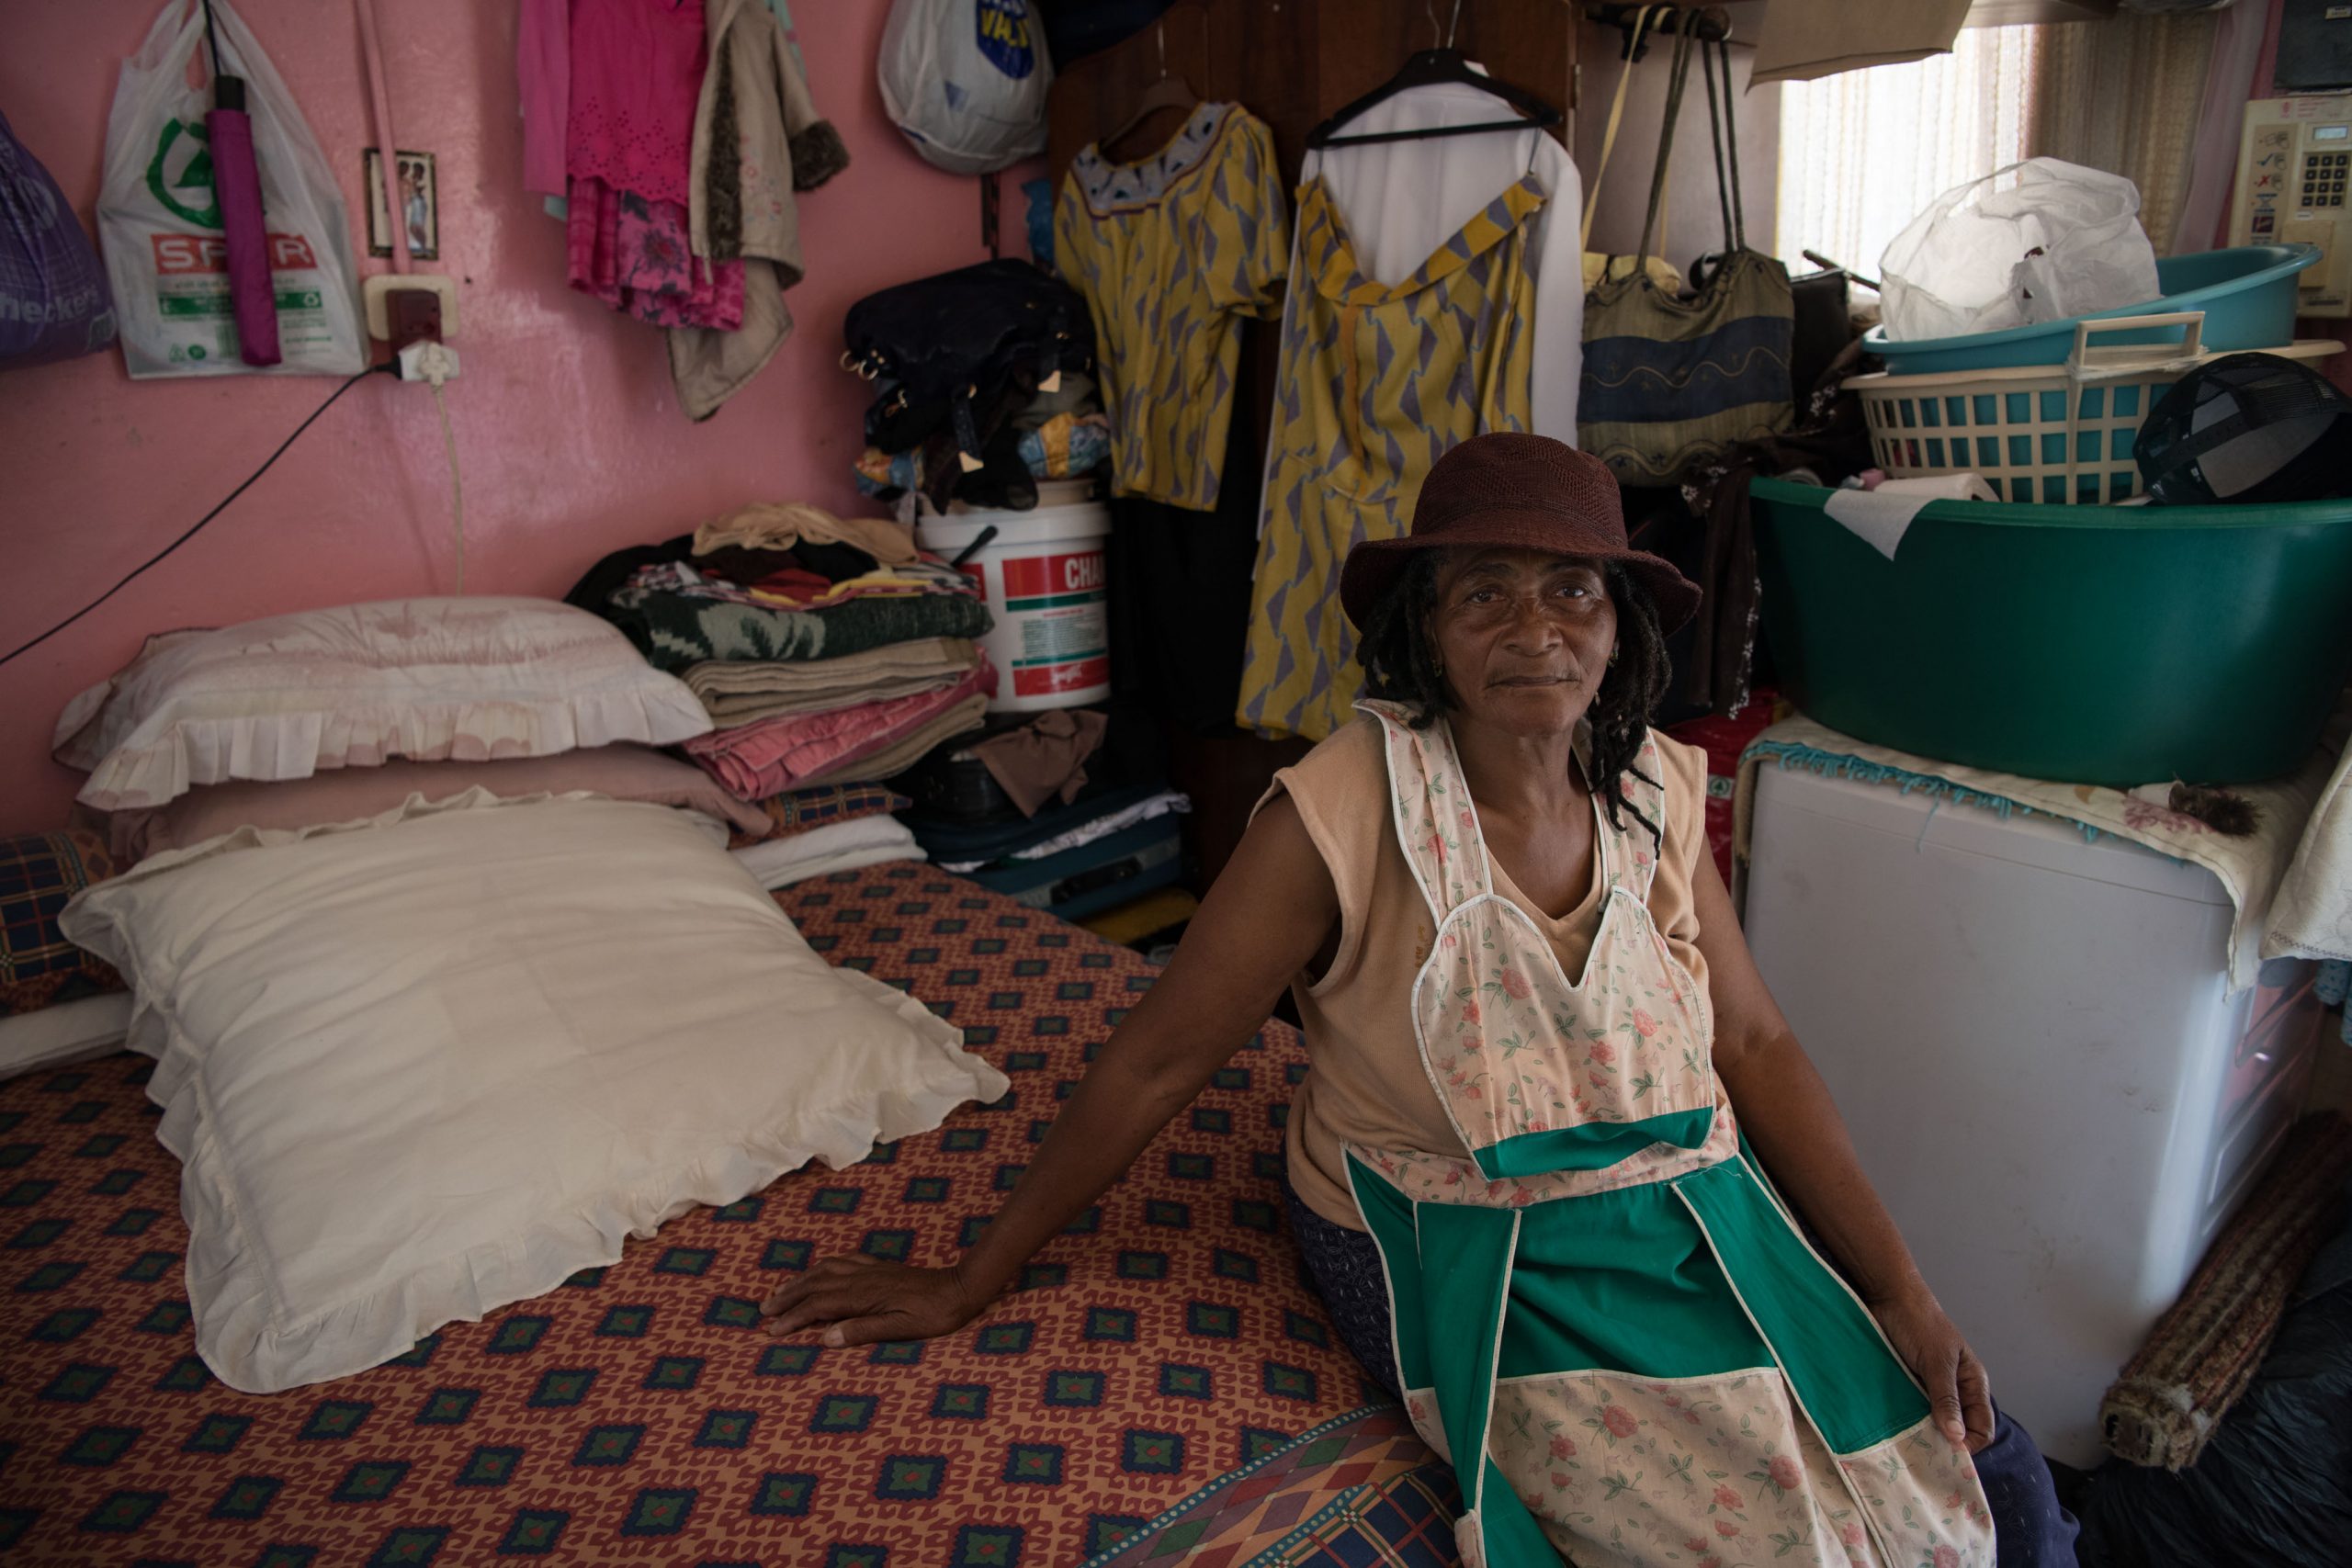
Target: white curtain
{"x":2126,"y":94}
{"x":1861,"y":153}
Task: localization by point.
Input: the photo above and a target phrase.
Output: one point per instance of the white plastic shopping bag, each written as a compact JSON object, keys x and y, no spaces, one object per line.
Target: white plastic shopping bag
{"x":966,"y":80}
{"x":2041,"y":241}
{"x":159,"y":220}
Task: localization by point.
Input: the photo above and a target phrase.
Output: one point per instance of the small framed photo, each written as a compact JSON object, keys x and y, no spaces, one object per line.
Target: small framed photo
{"x":420,"y":207}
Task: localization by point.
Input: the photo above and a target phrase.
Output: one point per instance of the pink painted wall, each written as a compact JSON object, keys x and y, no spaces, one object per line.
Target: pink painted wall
{"x":567,"y":435}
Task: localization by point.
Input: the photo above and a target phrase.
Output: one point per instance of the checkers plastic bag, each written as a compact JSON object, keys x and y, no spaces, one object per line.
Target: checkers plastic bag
{"x":160,"y":223}
{"x":965,"y":81}
{"x":53,"y":300}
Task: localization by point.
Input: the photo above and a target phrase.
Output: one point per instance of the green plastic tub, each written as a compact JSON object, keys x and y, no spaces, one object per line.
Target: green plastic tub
{"x":2116,"y":645}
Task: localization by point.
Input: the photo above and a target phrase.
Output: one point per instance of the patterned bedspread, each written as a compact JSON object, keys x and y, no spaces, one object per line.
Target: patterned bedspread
{"x":636,"y":1414}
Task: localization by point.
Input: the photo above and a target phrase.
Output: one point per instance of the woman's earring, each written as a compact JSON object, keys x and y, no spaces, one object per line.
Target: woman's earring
{"x":1612,"y":656}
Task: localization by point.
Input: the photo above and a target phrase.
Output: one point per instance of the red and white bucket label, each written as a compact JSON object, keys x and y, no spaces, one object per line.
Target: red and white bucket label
{"x":1055,"y":607}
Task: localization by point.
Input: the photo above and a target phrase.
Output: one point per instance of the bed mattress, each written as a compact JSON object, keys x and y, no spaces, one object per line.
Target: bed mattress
{"x":637,"y":1413}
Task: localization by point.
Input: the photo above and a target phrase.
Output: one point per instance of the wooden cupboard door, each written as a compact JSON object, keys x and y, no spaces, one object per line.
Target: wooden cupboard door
{"x":1294,"y":62}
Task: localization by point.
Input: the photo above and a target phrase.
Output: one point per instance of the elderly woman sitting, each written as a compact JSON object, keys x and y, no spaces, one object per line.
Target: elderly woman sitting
{"x":1527,"y":1167}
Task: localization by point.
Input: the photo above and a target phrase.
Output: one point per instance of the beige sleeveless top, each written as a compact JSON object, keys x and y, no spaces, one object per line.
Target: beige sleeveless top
{"x":1365,"y":1083}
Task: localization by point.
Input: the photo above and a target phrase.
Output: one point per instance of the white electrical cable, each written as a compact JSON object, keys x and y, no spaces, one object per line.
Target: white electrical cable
{"x":457,"y":485}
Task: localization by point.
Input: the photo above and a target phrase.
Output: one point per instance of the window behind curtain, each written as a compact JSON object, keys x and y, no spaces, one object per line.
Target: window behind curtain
{"x":1864,"y":152}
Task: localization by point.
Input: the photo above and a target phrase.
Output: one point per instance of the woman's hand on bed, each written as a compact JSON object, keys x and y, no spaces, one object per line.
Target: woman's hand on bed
{"x":864,"y":1301}
{"x":1271,"y":909}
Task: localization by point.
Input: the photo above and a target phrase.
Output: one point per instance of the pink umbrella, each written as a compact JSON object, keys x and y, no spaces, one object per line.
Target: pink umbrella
{"x":237,"y":179}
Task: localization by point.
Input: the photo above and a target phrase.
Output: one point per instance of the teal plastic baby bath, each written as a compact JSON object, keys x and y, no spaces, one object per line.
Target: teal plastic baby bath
{"x":2247,"y":295}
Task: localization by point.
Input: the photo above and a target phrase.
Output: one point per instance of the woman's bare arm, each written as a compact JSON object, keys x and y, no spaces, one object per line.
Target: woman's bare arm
{"x":1787,"y":1112}
{"x":1264,"y":920}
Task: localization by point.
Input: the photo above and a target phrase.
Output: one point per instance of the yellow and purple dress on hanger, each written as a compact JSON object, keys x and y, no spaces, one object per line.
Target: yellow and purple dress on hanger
{"x":1376,"y":381}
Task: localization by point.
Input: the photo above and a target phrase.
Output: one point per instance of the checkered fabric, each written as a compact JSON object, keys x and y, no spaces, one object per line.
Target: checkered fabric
{"x":638,"y":1414}
{"x":801,"y":810}
{"x":1406,"y":1522}
{"x":39,"y":873}
{"x":1363,"y":1489}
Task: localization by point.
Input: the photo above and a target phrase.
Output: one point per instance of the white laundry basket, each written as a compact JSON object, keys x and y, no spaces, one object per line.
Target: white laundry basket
{"x":1045,"y":575}
{"x":2054,"y":433}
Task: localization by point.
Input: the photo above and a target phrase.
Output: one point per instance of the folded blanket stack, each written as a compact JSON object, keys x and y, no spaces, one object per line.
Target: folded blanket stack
{"x":829,"y":652}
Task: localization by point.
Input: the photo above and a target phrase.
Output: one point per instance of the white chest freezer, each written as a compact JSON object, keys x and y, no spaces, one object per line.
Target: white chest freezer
{"x":2030,"y":1038}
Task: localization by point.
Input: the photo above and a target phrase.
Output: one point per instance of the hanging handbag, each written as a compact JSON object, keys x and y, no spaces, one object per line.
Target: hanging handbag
{"x":968,"y":332}
{"x":954,"y":355}
{"x":1672,"y":381}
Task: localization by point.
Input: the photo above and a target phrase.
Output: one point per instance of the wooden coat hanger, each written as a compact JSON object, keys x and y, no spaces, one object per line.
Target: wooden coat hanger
{"x":1167,"y":92}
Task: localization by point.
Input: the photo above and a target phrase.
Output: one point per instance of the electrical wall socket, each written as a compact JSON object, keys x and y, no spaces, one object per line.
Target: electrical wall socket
{"x":373,"y":290}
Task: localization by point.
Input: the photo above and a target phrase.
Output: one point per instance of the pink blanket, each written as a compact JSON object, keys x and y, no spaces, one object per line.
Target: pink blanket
{"x":756,"y":760}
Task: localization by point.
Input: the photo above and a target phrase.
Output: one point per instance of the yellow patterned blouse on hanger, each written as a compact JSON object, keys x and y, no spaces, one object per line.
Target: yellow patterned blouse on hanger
{"x":1171,"y":252}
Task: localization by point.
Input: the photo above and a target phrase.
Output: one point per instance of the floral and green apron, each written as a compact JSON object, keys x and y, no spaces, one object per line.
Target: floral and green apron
{"x":1604,"y":1318}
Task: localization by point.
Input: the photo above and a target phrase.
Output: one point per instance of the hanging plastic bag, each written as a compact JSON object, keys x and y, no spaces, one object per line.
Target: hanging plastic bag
{"x":2041,"y":241}
{"x":53,"y":300}
{"x":966,"y":80}
{"x":159,"y":216}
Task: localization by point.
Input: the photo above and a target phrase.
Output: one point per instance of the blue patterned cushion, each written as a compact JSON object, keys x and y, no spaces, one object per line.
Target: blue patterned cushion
{"x":39,"y":873}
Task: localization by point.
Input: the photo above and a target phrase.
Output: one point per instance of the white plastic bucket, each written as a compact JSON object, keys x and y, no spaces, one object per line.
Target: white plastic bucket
{"x":1045,"y":575}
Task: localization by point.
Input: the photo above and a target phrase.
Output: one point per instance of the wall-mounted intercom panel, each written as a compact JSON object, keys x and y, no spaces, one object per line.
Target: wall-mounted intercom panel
{"x":2295,"y":188}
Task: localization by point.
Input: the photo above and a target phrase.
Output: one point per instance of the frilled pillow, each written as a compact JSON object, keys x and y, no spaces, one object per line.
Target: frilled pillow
{"x":354,"y":794}
{"x":419,"y":1067}
{"x":468,"y":680}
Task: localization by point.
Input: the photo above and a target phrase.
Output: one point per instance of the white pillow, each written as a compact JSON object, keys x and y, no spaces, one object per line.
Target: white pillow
{"x":820,"y":851}
{"x":429,"y":678}
{"x":421,"y":1067}
{"x":70,"y":1032}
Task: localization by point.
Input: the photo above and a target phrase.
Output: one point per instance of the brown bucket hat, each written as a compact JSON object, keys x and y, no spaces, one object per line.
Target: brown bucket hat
{"x":1517,"y":492}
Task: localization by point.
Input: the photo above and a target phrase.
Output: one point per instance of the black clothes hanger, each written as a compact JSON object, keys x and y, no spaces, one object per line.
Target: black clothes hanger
{"x":1444,"y":65}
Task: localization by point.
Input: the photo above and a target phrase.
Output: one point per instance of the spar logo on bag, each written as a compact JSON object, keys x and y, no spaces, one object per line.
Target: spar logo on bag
{"x":182,"y":163}
{"x":183,"y":255}
{"x":160,"y":219}
{"x":1001,"y":29}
